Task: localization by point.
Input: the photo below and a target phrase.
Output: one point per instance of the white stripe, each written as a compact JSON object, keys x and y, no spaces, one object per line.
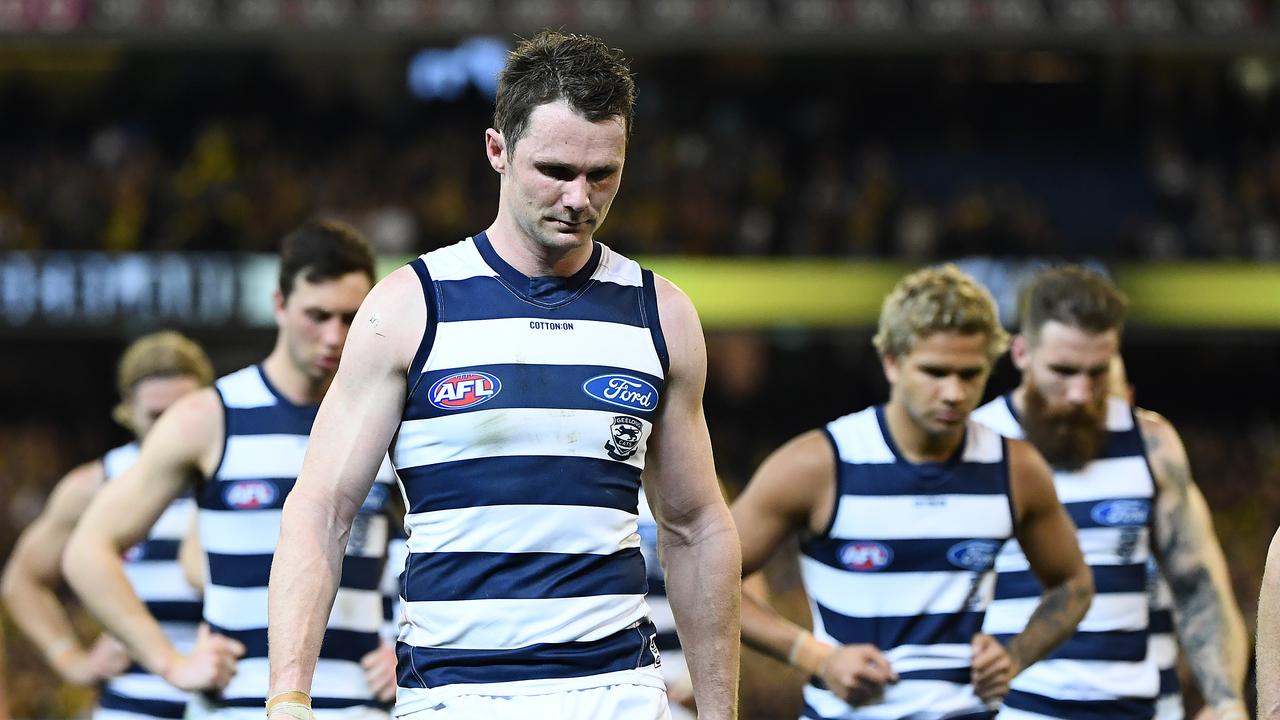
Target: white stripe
{"x":1169,"y":707}
{"x":1100,"y":547}
{"x":859,"y":440}
{"x":916,"y":699}
{"x":117,"y":460}
{"x":263,"y":456}
{"x":508,"y":624}
{"x":1008,"y":713}
{"x":1089,"y":679}
{"x":510,"y":432}
{"x":660,"y":614}
{"x":996,"y":416}
{"x":1163,"y":650}
{"x":930,"y":516}
{"x":982,"y":445}
{"x":1109,"y":612}
{"x":147,"y":687}
{"x":942,"y":656}
{"x":159,"y":581}
{"x":246,"y":609}
{"x":458,"y":261}
{"x":1119,"y":415}
{"x":618,"y":269}
{"x":100,"y":713}
{"x":510,"y":340}
{"x":239,"y":532}
{"x":332,"y":679}
{"x":174,"y":521}
{"x":181,"y":634}
{"x":523,"y":528}
{"x":244,"y":389}
{"x":410,"y":701}
{"x":870,"y":595}
{"x":1105,"y":478}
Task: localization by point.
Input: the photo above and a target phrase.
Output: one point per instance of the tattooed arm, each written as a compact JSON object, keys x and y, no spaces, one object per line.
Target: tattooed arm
{"x":1210,"y":628}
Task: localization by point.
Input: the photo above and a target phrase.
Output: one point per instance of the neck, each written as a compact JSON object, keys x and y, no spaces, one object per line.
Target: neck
{"x":1019,"y":398}
{"x":915,"y":443}
{"x":296,"y":386}
{"x":531,"y":258}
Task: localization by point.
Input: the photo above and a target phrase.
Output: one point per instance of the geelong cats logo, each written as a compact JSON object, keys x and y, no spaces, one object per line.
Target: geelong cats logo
{"x":625,"y":441}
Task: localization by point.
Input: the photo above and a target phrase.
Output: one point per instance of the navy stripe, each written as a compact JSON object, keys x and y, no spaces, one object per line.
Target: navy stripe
{"x":668,"y":641}
{"x":931,"y":555}
{"x":557,"y":387}
{"x":1122,"y":709}
{"x":1094,"y":513}
{"x":1161,"y":622}
{"x":346,"y":645}
{"x":522,"y":576}
{"x":1169,"y":682}
{"x":1126,"y":443}
{"x":1115,"y":646}
{"x":429,"y":334}
{"x":317,"y":702}
{"x":522,"y":480}
{"x":278,"y":419}
{"x":156,"y":550}
{"x":890,"y":632}
{"x":389,"y":605}
{"x":959,"y":676}
{"x":881,"y":479}
{"x":245,"y":494}
{"x":654,"y":320}
{"x":486,"y":298}
{"x":191,"y":611}
{"x":1106,"y":579}
{"x":252,"y":571}
{"x":627,"y":649}
{"x":109,"y":700}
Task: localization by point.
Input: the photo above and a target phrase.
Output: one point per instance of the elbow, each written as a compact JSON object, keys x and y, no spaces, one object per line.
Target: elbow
{"x":75,"y":564}
{"x":11,"y":584}
{"x":1082,"y":589}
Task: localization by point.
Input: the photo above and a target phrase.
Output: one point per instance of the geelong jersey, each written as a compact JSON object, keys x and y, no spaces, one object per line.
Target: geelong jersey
{"x":266,"y":439}
{"x":153,"y":570}
{"x":1163,"y":645}
{"x":1103,"y":670}
{"x":530,"y":405}
{"x":905,"y":565}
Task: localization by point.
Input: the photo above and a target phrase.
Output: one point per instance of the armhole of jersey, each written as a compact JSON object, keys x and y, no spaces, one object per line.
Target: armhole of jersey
{"x":429,"y":333}
{"x":650,"y":292}
{"x":835,"y":484}
{"x":1008,"y":484}
{"x":1151,"y":470}
{"x":226,"y":438}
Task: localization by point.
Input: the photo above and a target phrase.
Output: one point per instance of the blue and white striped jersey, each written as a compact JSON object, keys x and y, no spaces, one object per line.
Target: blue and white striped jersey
{"x":266,"y":439}
{"x":1103,"y":670}
{"x":153,"y":569}
{"x":905,"y":565}
{"x":1163,"y":646}
{"x":523,"y":438}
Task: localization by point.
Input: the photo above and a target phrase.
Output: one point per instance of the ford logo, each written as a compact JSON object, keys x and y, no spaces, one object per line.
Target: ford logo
{"x":1121,"y":512}
{"x":974,"y":554}
{"x":464,"y":390}
{"x":624,"y":391}
{"x":865,"y":556}
{"x":250,"y":495}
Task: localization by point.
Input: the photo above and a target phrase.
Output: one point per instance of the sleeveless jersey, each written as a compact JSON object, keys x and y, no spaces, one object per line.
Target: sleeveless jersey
{"x":266,"y":439}
{"x":156,"y":576}
{"x":905,"y":565}
{"x":1103,"y":670}
{"x":1163,"y":646}
{"x":530,"y":405}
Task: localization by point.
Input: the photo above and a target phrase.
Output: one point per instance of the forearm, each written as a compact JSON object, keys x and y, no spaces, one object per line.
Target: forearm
{"x":1269,"y":637}
{"x":1054,"y":620}
{"x":36,"y":610}
{"x":1212,"y":637}
{"x":304,"y":581}
{"x":703,"y":572}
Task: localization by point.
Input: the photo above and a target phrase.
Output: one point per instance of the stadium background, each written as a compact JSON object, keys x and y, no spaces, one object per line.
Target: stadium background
{"x":790,"y":159}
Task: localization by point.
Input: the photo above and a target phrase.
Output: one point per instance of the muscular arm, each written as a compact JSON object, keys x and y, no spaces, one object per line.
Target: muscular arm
{"x":695,"y":530}
{"x":33,"y":576}
{"x":1210,"y":628}
{"x":184,"y":441}
{"x":1269,"y":636}
{"x":353,"y":428}
{"x":1048,"y":539}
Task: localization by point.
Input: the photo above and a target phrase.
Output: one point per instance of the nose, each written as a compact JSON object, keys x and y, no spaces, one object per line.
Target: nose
{"x":334,"y":333}
{"x":576,"y":195}
{"x":1079,"y":390}
{"x":952,"y":390}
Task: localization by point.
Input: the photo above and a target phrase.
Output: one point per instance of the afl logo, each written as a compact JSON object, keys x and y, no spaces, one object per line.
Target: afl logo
{"x":1121,"y":512}
{"x":464,"y":390}
{"x":622,"y":390}
{"x":250,"y":495}
{"x":865,"y":556}
{"x":974,"y":554}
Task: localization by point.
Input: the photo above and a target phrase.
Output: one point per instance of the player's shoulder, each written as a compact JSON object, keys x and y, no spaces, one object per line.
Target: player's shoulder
{"x":194,"y":420}
{"x":75,"y":490}
{"x":807,"y":455}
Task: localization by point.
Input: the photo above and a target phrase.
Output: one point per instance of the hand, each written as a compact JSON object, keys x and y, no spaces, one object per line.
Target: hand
{"x":993,"y":669}
{"x":857,"y":673}
{"x":210,"y":665}
{"x":380,"y":671}
{"x":107,"y":658}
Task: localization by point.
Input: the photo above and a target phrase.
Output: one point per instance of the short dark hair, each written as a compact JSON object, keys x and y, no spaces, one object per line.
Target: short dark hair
{"x":323,"y":250}
{"x":1073,"y":296}
{"x":592,"y":77}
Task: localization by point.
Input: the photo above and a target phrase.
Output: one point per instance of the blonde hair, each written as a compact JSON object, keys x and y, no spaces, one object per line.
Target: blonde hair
{"x":938,"y":299}
{"x":162,"y":354}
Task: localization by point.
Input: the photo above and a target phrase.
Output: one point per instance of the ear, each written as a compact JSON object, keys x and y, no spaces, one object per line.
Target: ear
{"x":891,"y":368}
{"x":1020,"y":352}
{"x":277,"y":306}
{"x":495,"y":148}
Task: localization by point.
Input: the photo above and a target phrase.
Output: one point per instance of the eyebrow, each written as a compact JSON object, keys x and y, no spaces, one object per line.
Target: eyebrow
{"x":607,"y":167}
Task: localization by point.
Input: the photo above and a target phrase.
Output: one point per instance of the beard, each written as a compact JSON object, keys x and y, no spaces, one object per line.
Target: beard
{"x":1069,"y":439}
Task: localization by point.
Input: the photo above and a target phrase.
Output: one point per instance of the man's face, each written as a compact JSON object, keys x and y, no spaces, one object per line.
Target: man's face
{"x":315,"y":318}
{"x":940,"y":381}
{"x":152,"y":396}
{"x":1066,"y":375}
{"x":560,"y":179}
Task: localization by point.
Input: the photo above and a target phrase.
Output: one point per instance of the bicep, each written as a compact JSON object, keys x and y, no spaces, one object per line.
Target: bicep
{"x":783,"y":496}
